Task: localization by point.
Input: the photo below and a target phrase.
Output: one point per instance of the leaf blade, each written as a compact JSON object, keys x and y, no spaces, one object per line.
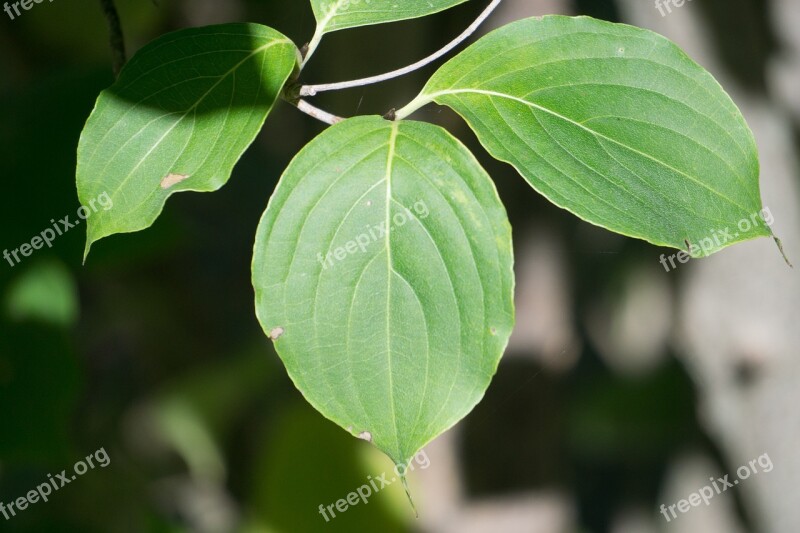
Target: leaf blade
{"x":353,"y":305}
{"x":333,"y":15}
{"x":613,"y":123}
{"x":182,"y":113}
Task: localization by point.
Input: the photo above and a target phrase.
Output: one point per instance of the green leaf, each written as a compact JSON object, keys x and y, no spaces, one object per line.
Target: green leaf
{"x":613,"y":123}
{"x":335,"y":15}
{"x":183,"y":111}
{"x":46,"y":292}
{"x":383,"y":272}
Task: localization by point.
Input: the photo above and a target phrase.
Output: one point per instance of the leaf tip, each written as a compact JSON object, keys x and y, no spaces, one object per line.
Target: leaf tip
{"x":779,"y":243}
{"x":404,"y":480}
{"x":86,"y":249}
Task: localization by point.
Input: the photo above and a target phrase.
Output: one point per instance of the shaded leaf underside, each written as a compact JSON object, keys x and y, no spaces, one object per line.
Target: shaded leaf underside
{"x":183,"y":111}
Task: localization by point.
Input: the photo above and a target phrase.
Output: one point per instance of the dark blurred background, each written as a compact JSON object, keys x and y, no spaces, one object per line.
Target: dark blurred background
{"x":625,"y":387}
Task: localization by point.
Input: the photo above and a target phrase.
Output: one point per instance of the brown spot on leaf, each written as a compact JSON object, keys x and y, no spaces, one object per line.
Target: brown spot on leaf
{"x":276,"y":333}
{"x":170,"y":180}
{"x":365,"y":435}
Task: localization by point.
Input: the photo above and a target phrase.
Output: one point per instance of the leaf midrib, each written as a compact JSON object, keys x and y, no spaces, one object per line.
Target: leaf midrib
{"x":390,"y":272}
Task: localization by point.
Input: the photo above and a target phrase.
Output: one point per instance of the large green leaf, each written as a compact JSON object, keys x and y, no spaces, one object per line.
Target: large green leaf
{"x":383,"y":272}
{"x":181,"y":114}
{"x":335,"y":15}
{"x":615,"y":124}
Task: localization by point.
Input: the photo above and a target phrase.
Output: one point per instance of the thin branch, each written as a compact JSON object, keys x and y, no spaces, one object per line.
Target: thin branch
{"x":116,"y":38}
{"x":311,"y":90}
{"x":315,"y":112}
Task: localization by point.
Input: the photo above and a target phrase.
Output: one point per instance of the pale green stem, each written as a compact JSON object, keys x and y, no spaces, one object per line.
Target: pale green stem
{"x":314,"y":43}
{"x":412,"y":106}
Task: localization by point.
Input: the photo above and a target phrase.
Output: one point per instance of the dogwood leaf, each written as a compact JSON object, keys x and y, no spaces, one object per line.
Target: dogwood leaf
{"x":383,"y":272}
{"x":613,"y":123}
{"x":183,"y":111}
